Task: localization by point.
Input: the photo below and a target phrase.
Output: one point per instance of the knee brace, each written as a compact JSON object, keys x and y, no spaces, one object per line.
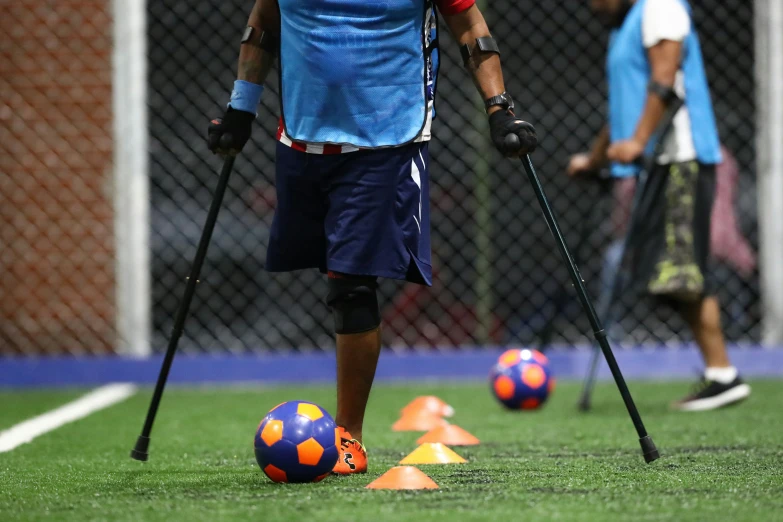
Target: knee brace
{"x":354,"y":303}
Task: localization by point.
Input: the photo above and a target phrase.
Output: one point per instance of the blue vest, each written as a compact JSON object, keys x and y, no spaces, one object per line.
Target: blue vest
{"x":356,"y":72}
{"x":628,"y":72}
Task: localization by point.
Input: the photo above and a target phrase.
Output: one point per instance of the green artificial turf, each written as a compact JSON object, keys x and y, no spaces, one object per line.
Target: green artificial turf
{"x":554,"y":464}
{"x":17,"y":407}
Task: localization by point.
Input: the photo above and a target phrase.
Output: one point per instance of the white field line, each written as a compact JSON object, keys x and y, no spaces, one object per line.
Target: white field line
{"x":97,"y":399}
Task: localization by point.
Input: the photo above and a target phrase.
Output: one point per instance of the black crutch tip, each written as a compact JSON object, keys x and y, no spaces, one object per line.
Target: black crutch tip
{"x":139,"y":451}
{"x":583,"y":406}
{"x":648,"y":449}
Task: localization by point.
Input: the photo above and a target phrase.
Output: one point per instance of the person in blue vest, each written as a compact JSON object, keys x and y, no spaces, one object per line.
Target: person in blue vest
{"x":357,"y":91}
{"x":653,"y":57}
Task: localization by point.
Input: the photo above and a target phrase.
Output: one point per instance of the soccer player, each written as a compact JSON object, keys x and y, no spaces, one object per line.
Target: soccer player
{"x":357,"y":96}
{"x":653,"y":56}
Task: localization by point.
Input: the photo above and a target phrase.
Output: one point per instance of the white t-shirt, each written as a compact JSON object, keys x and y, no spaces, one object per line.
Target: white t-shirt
{"x":668,"y":20}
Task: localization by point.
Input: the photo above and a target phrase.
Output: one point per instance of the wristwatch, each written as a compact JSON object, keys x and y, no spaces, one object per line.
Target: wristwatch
{"x":503,"y":100}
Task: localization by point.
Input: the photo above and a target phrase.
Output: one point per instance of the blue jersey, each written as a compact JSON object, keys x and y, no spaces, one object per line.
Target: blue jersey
{"x":357,"y":73}
{"x":628,"y":72}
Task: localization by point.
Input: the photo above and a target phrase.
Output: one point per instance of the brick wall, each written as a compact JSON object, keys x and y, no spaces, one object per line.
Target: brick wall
{"x":56,"y":223}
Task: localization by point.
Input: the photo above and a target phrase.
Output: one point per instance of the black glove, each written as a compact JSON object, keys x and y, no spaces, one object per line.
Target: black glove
{"x":512,"y":136}
{"x":229,"y":134}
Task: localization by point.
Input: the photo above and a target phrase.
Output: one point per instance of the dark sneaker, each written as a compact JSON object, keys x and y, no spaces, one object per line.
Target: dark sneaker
{"x":709,"y":395}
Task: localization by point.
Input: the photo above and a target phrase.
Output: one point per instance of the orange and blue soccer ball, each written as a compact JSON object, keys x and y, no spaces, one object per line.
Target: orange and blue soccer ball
{"x":297,"y":441}
{"x":522,"y":379}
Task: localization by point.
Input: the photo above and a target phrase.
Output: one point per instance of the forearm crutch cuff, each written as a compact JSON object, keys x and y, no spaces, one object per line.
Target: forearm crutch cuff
{"x":268,"y":42}
{"x":666,"y":93}
{"x":484,"y":44}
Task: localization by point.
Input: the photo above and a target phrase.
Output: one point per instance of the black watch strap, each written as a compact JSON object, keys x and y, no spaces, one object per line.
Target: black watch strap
{"x":503,"y":100}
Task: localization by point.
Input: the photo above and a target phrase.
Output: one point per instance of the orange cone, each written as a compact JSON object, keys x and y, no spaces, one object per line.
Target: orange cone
{"x":403,"y":477}
{"x":421,"y":421}
{"x":433,"y":453}
{"x":451,"y":435}
{"x":429,"y":403}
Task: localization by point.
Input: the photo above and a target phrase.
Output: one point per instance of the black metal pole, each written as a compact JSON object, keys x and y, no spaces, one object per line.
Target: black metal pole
{"x":607,"y":301}
{"x":544,"y":334}
{"x":140,"y":450}
{"x":649,"y":450}
{"x":585,"y":398}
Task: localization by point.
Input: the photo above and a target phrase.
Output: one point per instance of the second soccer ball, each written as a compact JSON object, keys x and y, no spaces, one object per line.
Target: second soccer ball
{"x":522,"y":379}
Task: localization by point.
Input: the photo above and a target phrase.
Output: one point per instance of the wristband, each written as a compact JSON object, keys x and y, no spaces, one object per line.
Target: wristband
{"x":246,"y":96}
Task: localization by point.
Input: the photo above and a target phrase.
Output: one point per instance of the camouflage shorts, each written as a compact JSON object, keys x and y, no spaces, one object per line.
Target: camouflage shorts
{"x":671,"y":249}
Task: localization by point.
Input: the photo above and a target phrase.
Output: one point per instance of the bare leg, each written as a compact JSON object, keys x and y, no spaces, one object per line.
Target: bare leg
{"x":704,"y":321}
{"x":357,"y":358}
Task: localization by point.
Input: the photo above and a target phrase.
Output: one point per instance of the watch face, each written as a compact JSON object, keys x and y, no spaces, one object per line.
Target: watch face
{"x":248,"y":33}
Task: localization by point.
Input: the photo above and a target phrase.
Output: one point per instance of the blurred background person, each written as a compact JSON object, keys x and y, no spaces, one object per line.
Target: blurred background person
{"x":654,"y":57}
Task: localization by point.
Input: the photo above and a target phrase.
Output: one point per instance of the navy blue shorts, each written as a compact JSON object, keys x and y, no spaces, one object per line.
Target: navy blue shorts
{"x":359,"y":213}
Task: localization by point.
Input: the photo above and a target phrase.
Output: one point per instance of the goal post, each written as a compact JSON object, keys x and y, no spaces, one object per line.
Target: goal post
{"x":769,"y":159}
{"x":131,"y":178}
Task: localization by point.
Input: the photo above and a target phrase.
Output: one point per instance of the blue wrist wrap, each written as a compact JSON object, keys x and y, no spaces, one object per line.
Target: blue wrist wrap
{"x":246,"y":96}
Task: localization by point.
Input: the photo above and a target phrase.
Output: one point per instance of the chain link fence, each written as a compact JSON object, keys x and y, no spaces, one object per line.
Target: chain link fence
{"x":56,"y":223}
{"x":498,"y":277}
